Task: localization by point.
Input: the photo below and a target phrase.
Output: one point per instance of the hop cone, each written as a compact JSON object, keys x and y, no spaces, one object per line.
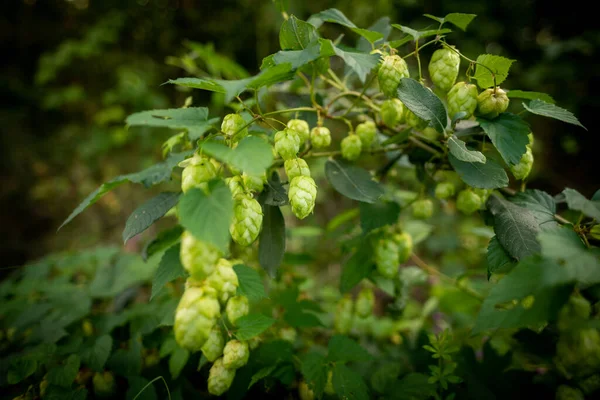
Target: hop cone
{"x":195,"y":317}
{"x":288,"y":334}
{"x":387,"y":257}
{"x":351,"y":147}
{"x":247,"y":220}
{"x":196,"y":172}
{"x":523,"y":168}
{"x":391,"y":71}
{"x":236,"y":185}
{"x":483,"y":193}
{"x":444,"y":190}
{"x":213,"y":347}
{"x":490,"y":103}
{"x":300,"y":127}
{"x":224,"y":280}
{"x":304,"y":392}
{"x":232,"y":123}
{"x":443,"y":68}
{"x":468,"y":201}
{"x":235,"y":354}
{"x":254,"y":183}
{"x":320,"y":137}
{"x":405,"y":246}
{"x":302,"y":195}
{"x":462,"y":97}
{"x":296,"y":167}
{"x":422,"y":209}
{"x":219,"y":378}
{"x":343,"y":315}
{"x":287,"y":144}
{"x":366,"y":132}
{"x":414,"y":121}
{"x":197,"y":257}
{"x":236,"y":308}
{"x":365,"y":302}
{"x":392,"y":112}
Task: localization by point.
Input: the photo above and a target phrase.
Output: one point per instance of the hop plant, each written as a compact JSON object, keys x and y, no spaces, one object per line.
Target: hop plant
{"x":287,"y":144}
{"x":392,"y":70}
{"x":213,"y":347}
{"x":224,"y":280}
{"x":254,"y":183}
{"x":236,"y":185}
{"x":521,"y":170}
{"x":405,"y":246}
{"x":296,"y":167}
{"x":219,"y":378}
{"x":468,"y":201}
{"x":443,"y":68}
{"x":320,"y":137}
{"x":247,"y":220}
{"x":444,"y":190}
{"x":300,"y":127}
{"x":343,"y":315}
{"x":387,"y":257}
{"x":492,"y":102}
{"x":365,"y":302}
{"x":392,"y":112}
{"x":235,"y":354}
{"x":366,"y":131}
{"x":233,"y":123}
{"x":236,"y":308}
{"x":197,"y":257}
{"x":197,"y":171}
{"x":413,"y":121}
{"x":422,"y":209}
{"x":462,"y":97}
{"x":351,"y":147}
{"x":195,"y":317}
{"x":302,"y":195}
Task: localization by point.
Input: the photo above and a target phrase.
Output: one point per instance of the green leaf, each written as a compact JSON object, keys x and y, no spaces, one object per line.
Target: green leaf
{"x":147,"y":213}
{"x":508,"y":132}
{"x":296,"y":34}
{"x":515,"y":227}
{"x":541,"y":205}
{"x":542,"y":281}
{"x":337,"y":17}
{"x":208,"y":217}
{"x":96,"y":356}
{"x":252,"y":155}
{"x":252,"y":325}
{"x":169,"y":269}
{"x":271,"y":242}
{"x":140,"y":389}
{"x":497,"y":65}
{"x":544,"y":109}
{"x":382,"y":25}
{"x":349,"y":384}
{"x":177,"y":361}
{"x":521,"y":94}
{"x":251,"y":284}
{"x":460,"y":20}
{"x":352,"y":181}
{"x":459,"y":149}
{"x":498,"y":260}
{"x":151,"y":176}
{"x":127,"y":361}
{"x":314,"y":370}
{"x":576,"y":201}
{"x":360,"y":63}
{"x":416,"y":35}
{"x":194,"y":120}
{"x":376,"y":215}
{"x":342,"y":349}
{"x":298,"y":58}
{"x":413,"y":387}
{"x":162,"y":242}
{"x":423,"y":103}
{"x":358,"y":267}
{"x":261,"y":374}
{"x":65,"y":374}
{"x":485,"y":176}
{"x":19,"y":369}
{"x":297,"y":317}
{"x":274,"y":193}
{"x":54,"y":392}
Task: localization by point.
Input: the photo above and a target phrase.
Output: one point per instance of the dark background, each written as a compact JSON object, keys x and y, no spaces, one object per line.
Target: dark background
{"x":73,"y":70}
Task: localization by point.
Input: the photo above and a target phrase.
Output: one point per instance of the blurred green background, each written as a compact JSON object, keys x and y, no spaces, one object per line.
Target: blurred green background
{"x":72,"y":70}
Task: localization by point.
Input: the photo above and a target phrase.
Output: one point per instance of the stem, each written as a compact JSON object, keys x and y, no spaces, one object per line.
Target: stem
{"x":313,"y":109}
{"x":359,"y":96}
{"x":424,"y":146}
{"x":472,"y":61}
{"x":420,"y":47}
{"x":418,"y":60}
{"x":369,"y":103}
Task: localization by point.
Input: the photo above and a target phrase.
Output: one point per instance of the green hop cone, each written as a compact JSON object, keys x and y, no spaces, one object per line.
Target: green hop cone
{"x":300,"y":127}
{"x":232,"y":123}
{"x":104,"y":384}
{"x":351,"y":147}
{"x":302,"y":195}
{"x":443,"y":68}
{"x":288,"y":334}
{"x":247,"y":220}
{"x":387,"y":257}
{"x":320,"y":137}
{"x":224,"y":280}
{"x":392,"y":112}
{"x":219,"y":378}
{"x":343,"y":316}
{"x":195,"y":317}
{"x":521,"y":170}
{"x":366,"y":131}
{"x":422,"y":209}
{"x":304,"y":392}
{"x":531,"y":138}
{"x":197,"y":171}
{"x":235,"y":354}
{"x":296,"y":167}
{"x":462,"y":97}
{"x":444,"y":190}
{"x":213,"y":347}
{"x":329,"y":385}
{"x":236,"y":186}
{"x":198,"y":257}
{"x":365,"y":302}
{"x":405,"y":246}
{"x":490,"y":103}
{"x":236,"y":308}
{"x":483,"y":193}
{"x":254,"y":183}
{"x":595,"y":232}
{"x":468,"y":201}
{"x":413,"y":121}
{"x":391,"y":71}
{"x":287,"y":144}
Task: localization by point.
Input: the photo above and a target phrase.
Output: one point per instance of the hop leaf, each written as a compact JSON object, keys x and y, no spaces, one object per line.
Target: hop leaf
{"x":392,"y":112}
{"x":302,"y":195}
{"x":195,"y":317}
{"x":391,"y":71}
{"x":197,"y":171}
{"x":462,"y":98}
{"x":366,"y":132}
{"x":235,"y":354}
{"x":300,"y":127}
{"x":320,"y":137}
{"x":468,"y":201}
{"x":351,"y":147}
{"x":287,"y":144}
{"x":523,"y":168}
{"x":492,"y":102}
{"x":213,"y":348}
{"x":198,"y":257}
{"x":219,"y":378}
{"x":443,"y":68}
{"x":247,"y":220}
{"x":296,"y":167}
{"x":237,"y":307}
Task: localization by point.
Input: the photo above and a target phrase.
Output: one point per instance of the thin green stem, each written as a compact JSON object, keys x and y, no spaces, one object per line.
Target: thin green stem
{"x":150,"y":383}
{"x":311,"y":109}
{"x":424,"y":146}
{"x":418,"y":60}
{"x":471,"y":61}
{"x":420,"y":48}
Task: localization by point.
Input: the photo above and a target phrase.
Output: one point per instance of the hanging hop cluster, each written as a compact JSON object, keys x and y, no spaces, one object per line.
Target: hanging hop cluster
{"x":443,"y":68}
{"x":391,"y":71}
